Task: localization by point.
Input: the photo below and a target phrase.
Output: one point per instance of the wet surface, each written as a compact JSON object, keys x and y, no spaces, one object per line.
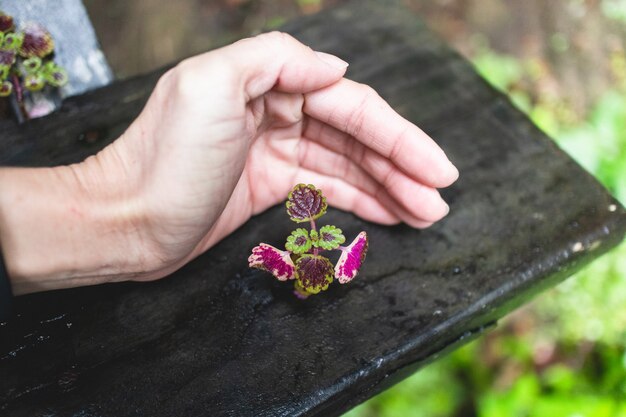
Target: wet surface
{"x":219,"y":339}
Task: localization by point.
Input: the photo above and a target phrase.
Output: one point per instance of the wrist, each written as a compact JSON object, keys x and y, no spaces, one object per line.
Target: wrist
{"x":61,"y":227}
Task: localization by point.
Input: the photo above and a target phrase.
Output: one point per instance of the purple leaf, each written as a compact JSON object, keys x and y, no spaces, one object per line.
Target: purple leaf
{"x":37,"y":41}
{"x":7,"y":58}
{"x":306,"y":203}
{"x":314,"y":273}
{"x":272,"y":260}
{"x":351,"y":259}
{"x":6,"y":22}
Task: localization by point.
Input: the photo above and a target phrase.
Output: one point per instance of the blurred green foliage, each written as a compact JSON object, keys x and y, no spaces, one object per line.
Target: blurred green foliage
{"x":564,"y":355}
{"x":614,"y":9}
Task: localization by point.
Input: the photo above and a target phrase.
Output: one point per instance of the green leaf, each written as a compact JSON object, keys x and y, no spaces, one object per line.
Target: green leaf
{"x":6,"y":88}
{"x":31,"y":65}
{"x":34,"y":82}
{"x":314,"y":237}
{"x":305,"y":203}
{"x":56,"y":78}
{"x":12,"y":41}
{"x":298,"y":242}
{"x":330,"y":237}
{"x":4,"y":72}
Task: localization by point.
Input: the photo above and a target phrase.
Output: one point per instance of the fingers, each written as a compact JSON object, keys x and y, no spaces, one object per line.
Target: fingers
{"x":277,"y":61}
{"x":422,"y":201}
{"x":345,"y":196}
{"x":408,"y":200}
{"x":357,"y":110}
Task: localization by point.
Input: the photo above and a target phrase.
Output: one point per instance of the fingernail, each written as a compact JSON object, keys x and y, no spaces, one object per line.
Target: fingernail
{"x":447,"y":209}
{"x":332,"y":60}
{"x":454,"y":172}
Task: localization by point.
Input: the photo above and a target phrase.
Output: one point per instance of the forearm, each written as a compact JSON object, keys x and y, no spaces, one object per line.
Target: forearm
{"x":56,"y":233}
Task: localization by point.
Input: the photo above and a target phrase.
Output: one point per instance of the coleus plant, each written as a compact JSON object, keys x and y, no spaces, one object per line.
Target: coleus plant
{"x":302,"y":260}
{"x":25,"y":59}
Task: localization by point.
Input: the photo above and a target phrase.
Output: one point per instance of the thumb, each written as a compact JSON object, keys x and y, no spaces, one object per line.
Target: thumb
{"x":277,"y":61}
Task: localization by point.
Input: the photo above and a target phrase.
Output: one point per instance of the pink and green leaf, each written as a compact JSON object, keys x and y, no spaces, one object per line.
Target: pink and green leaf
{"x":351,"y":259}
{"x":274,"y":261}
{"x":330,"y":237}
{"x":314,"y":273}
{"x":298,"y":242}
{"x":37,"y":41}
{"x":305,"y":203}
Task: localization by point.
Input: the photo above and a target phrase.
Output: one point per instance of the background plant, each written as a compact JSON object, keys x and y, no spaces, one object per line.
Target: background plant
{"x":25,"y":59}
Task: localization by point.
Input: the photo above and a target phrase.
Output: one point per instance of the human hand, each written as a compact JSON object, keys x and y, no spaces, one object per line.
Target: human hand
{"x":225,"y":135}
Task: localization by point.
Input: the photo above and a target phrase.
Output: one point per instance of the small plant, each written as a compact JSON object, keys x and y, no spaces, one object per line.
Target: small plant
{"x":302,"y":261}
{"x":25,"y":59}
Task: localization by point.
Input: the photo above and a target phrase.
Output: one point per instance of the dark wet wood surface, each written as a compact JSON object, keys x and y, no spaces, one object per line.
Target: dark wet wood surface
{"x":218,"y":339}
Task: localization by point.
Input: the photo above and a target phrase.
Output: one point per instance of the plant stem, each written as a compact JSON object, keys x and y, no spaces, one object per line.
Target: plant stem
{"x":19,"y":97}
{"x":315,"y":250}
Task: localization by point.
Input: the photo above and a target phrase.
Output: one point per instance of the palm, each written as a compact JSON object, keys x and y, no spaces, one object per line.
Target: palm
{"x":290,"y":147}
{"x":298,"y":122}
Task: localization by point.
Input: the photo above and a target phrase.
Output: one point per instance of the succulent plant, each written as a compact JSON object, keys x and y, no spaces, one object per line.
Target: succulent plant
{"x":25,"y":59}
{"x":301,"y":260}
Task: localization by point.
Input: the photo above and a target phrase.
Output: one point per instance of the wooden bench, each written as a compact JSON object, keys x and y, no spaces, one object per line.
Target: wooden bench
{"x":219,"y":339}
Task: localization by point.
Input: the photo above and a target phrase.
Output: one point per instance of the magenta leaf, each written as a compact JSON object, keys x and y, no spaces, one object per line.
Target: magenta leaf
{"x":37,"y":41}
{"x":6,"y":23}
{"x":351,"y":259}
{"x":330,"y":237}
{"x":305,"y":202}
{"x":298,"y":242}
{"x":272,"y":260}
{"x":314,"y":273}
